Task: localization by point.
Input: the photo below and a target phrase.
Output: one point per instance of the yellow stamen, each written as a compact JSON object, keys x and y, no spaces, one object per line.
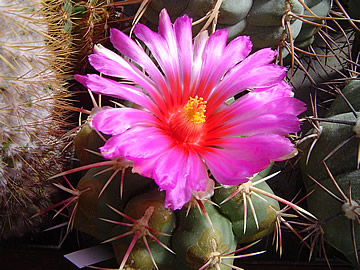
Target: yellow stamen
{"x":195,"y":109}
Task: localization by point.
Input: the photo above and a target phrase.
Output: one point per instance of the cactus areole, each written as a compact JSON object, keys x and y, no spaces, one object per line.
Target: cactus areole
{"x":184,"y":127}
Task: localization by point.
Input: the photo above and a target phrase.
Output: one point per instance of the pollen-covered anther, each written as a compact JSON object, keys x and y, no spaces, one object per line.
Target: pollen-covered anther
{"x":195,"y":109}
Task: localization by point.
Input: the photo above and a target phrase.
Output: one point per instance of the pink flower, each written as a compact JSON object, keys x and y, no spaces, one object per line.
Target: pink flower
{"x":184,"y":127}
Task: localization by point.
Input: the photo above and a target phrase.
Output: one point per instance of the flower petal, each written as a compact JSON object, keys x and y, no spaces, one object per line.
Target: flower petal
{"x":187,"y":171}
{"x":161,"y":52}
{"x":118,"y":67}
{"x":178,"y":196}
{"x":104,"y":86}
{"x":111,"y":64}
{"x":256,"y":113}
{"x":136,"y":143}
{"x":218,"y":58}
{"x":212,"y":64}
{"x":198,"y":173}
{"x":241,"y":157}
{"x":129,"y":48}
{"x":171,"y":168}
{"x":183,"y":33}
{"x":117,"y":120}
{"x":264,"y":124}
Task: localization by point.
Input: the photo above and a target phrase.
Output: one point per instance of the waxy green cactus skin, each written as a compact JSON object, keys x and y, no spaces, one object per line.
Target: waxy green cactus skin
{"x":351,"y":92}
{"x":91,"y":207}
{"x":193,"y":239}
{"x":88,"y":139}
{"x":234,"y":209}
{"x":331,"y":136}
{"x":342,"y":164}
{"x":161,"y":220}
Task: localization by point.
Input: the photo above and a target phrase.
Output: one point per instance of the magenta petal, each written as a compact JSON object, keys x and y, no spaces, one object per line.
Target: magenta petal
{"x":244,"y":156}
{"x":199,"y":46}
{"x":260,"y":77}
{"x":178,"y":196}
{"x":282,"y":89}
{"x":104,"y":86}
{"x":218,"y":59}
{"x":157,"y":45}
{"x":178,"y":173}
{"x":259,"y":58}
{"x":172,"y":174}
{"x":171,"y":168}
{"x":254,"y":101}
{"x":136,"y":143}
{"x":261,"y":112}
{"x":145,"y":167}
{"x":265,"y":124}
{"x":117,"y":68}
{"x":213,"y":67}
{"x":266,"y":146}
{"x":183,"y":32}
{"x":198,"y":173}
{"x":237,"y":50}
{"x":129,"y":48}
{"x":116,"y":121}
{"x":166,"y":30}
{"x":226,"y":169}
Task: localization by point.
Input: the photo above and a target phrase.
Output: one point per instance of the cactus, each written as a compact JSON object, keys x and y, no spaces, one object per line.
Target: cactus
{"x":32,"y":117}
{"x":118,"y":206}
{"x":153,"y":227}
{"x":212,"y":243}
{"x":189,"y":239}
{"x":259,"y":218}
{"x":268,"y":23}
{"x":195,"y":240}
{"x":330,"y":166}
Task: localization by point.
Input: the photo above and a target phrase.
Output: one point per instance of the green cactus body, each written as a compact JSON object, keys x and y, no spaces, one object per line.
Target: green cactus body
{"x":320,"y":8}
{"x":332,"y":135}
{"x":351,"y":92}
{"x":160,"y":220}
{"x":90,"y":207}
{"x":336,"y":214}
{"x":354,"y":9}
{"x":88,"y":139}
{"x":195,"y":241}
{"x":260,"y":19}
{"x":331,"y":215}
{"x":234,"y":209}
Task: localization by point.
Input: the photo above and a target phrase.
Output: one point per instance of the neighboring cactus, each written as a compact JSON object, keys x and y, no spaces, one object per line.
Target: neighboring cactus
{"x":331,"y":166}
{"x":268,"y":23}
{"x":32,"y":117}
{"x":83,"y":23}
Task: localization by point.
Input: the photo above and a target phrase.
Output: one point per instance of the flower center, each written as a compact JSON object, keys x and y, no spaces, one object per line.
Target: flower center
{"x":195,"y":109}
{"x":186,"y":125}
